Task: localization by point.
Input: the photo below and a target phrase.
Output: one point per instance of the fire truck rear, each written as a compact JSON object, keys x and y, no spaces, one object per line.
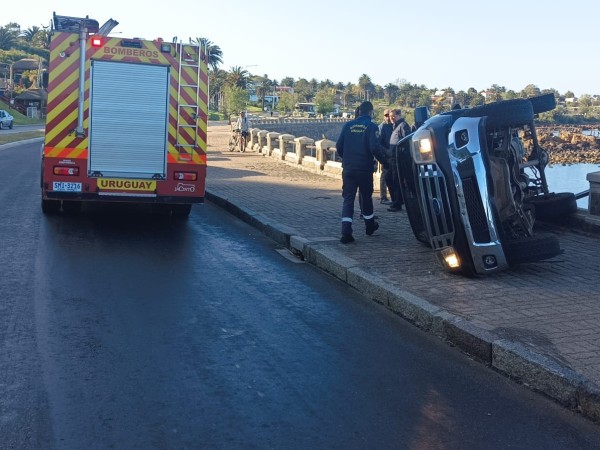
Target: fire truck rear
{"x":126,"y":119}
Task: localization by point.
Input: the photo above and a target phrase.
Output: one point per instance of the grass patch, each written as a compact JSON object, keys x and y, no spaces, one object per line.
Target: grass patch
{"x":20,"y":119}
{"x":14,"y":137}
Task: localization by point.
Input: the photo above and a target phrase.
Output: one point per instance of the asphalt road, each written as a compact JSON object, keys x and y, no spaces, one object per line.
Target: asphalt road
{"x":22,"y":129}
{"x":121,"y":328}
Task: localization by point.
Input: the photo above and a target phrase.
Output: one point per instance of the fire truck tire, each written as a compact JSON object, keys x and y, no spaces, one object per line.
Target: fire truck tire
{"x":531,"y":249}
{"x":71,"y":207}
{"x":50,"y":206}
{"x":181,"y":211}
{"x":543,"y":103}
{"x":555,"y":205}
{"x":506,"y":113}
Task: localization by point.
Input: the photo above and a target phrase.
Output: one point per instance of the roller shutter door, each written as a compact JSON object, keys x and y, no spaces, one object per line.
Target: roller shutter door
{"x":129,"y":115}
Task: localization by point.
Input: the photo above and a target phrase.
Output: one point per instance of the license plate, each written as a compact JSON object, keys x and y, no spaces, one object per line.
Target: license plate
{"x":66,"y":186}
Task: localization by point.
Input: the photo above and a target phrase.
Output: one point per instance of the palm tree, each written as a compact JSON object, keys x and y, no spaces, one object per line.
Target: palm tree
{"x":8,"y":38}
{"x":217,"y":81}
{"x":29,"y":34}
{"x":215,"y":54}
{"x":366,"y":85}
{"x":238,"y":76}
{"x":390,"y":92}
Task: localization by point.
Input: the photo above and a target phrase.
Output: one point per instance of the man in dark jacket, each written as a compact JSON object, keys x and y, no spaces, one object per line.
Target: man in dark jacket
{"x":357,"y":145}
{"x":401,"y":130}
{"x":385,"y":132}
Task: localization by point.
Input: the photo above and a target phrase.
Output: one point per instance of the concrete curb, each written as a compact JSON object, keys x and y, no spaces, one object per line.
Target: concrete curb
{"x":512,"y":359}
{"x":25,"y":141}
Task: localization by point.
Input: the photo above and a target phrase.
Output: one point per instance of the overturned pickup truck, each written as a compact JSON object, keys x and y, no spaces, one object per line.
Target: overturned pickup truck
{"x":473,"y":183}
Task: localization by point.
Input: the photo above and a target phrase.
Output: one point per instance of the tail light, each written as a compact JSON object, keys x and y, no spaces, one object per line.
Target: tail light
{"x":66,"y":171}
{"x":185,"y":176}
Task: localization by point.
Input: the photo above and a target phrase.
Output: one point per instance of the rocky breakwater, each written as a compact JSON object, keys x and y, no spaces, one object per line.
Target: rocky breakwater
{"x":568,"y":145}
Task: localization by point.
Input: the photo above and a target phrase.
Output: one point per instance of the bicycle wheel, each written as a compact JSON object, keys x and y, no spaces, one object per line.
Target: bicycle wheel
{"x":233,"y":142}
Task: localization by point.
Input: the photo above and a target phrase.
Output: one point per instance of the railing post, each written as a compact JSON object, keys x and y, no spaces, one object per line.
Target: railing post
{"x":594,"y":199}
{"x":300,"y":145}
{"x":272,"y":137}
{"x":283,"y":141}
{"x":322,"y":147}
{"x":253,"y":141}
{"x":262,"y":141}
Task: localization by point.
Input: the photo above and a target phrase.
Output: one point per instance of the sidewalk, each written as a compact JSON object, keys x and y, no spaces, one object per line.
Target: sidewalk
{"x":537,"y":323}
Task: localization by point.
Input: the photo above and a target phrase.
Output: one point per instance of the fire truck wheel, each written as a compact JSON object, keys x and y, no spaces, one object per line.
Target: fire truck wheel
{"x":50,"y":206}
{"x":71,"y":207}
{"x":181,"y":211}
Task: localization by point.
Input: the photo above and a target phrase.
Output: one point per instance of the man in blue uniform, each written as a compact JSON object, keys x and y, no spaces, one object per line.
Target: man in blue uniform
{"x":357,"y":145}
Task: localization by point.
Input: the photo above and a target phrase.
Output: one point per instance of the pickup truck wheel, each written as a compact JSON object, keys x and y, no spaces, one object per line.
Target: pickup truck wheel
{"x":543,"y":103}
{"x":553,"y":205}
{"x":531,"y":249}
{"x":507,"y":113}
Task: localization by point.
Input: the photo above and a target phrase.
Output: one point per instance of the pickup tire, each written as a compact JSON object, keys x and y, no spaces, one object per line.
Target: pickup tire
{"x":553,"y":205}
{"x":405,"y":173}
{"x":543,"y":103}
{"x":507,"y":113}
{"x":530,"y":249}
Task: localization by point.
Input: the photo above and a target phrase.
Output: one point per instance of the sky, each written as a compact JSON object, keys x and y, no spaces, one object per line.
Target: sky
{"x":436,"y":43}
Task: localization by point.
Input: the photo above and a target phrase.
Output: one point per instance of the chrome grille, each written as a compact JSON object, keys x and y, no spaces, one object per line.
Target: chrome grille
{"x":477,"y":217}
{"x":435,"y":205}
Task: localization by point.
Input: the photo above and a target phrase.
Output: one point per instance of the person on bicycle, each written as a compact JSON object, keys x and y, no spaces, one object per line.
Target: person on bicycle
{"x":242,"y":126}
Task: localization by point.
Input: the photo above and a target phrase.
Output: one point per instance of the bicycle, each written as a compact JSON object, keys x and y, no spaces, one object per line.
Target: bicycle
{"x":234,"y":140}
{"x":237,"y":140}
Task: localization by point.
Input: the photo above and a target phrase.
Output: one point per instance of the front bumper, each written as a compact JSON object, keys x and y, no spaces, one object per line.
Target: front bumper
{"x":473,"y":205}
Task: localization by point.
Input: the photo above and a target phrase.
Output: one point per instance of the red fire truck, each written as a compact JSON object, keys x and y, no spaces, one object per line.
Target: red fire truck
{"x":126,"y":119}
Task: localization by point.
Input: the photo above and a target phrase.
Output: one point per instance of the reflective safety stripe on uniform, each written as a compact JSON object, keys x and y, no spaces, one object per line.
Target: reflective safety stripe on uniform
{"x":372,"y":216}
{"x":347,"y":219}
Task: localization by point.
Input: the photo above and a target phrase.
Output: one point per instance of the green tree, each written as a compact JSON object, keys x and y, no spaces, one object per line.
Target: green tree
{"x":347,"y":94}
{"x":287,"y":81}
{"x":216,"y":82}
{"x":29,"y":34}
{"x":303,"y":89}
{"x":366,"y":86}
{"x":494,"y":93}
{"x":390,"y":93}
{"x":8,"y":38}
{"x":287,"y":102}
{"x":531,"y":90}
{"x":239,"y":77}
{"x":325,"y":100}
{"x":261,"y":88}
{"x":215,"y":54}
{"x":235,"y":99}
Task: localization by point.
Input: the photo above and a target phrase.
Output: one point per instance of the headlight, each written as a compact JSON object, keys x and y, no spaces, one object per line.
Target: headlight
{"x":422,"y":147}
{"x":450,"y":258}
